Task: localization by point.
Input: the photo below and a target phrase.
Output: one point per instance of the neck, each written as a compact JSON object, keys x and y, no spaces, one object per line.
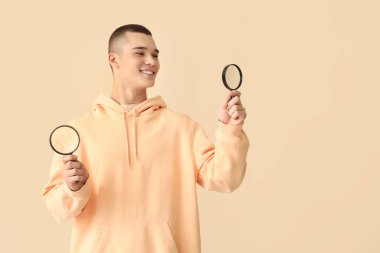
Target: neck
{"x":125,"y":95}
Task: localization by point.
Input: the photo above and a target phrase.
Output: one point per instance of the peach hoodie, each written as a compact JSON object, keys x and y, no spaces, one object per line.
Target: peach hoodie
{"x":144,"y":166}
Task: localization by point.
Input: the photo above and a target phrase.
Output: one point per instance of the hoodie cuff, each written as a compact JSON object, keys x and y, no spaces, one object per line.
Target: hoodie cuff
{"x":82,"y":192}
{"x":230,"y":129}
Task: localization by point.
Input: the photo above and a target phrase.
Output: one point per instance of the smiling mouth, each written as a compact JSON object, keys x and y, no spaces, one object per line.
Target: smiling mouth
{"x":147,"y":72}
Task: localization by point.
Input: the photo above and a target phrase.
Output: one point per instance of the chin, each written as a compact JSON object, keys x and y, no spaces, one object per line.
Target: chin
{"x":148,"y":84}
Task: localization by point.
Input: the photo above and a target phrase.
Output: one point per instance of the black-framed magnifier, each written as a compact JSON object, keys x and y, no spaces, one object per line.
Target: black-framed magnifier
{"x":232,"y":77}
{"x":64,"y":140}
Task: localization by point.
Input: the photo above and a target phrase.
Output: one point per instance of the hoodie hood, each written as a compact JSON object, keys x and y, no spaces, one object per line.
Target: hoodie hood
{"x":104,"y":106}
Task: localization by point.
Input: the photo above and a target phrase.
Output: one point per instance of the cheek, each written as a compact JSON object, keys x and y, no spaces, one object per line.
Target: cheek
{"x":129,"y":66}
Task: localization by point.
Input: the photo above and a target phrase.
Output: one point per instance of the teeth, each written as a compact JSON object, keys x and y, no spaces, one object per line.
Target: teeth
{"x":147,"y":72}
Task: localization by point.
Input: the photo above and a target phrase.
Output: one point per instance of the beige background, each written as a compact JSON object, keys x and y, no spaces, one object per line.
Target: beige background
{"x":311,"y":88}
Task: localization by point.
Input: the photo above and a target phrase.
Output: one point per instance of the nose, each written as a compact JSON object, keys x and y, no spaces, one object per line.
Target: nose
{"x":149,"y":60}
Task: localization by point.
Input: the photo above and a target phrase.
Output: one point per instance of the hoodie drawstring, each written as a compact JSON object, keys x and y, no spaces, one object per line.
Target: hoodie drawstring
{"x":134,"y":134}
{"x":131,"y":137}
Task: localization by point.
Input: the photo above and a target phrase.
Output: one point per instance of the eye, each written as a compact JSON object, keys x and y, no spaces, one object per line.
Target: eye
{"x":140,"y":53}
{"x":155,"y":56}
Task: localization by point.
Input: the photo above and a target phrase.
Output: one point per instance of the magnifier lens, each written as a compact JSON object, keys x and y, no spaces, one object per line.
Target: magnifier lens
{"x":232,"y":77}
{"x":64,"y":140}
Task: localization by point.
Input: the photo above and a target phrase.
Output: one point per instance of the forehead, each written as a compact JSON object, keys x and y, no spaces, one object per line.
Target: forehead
{"x":134,"y":39}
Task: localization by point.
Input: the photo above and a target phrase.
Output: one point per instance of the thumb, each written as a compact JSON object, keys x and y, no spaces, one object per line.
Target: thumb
{"x":230,"y":95}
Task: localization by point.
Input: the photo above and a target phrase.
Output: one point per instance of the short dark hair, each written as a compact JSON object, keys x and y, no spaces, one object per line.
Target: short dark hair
{"x":119,"y":32}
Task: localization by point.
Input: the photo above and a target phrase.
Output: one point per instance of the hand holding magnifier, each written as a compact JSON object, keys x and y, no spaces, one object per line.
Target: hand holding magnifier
{"x":65,"y":140}
{"x":232,"y":111}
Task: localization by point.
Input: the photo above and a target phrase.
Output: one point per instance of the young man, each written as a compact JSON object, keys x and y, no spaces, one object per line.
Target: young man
{"x":131,"y":185}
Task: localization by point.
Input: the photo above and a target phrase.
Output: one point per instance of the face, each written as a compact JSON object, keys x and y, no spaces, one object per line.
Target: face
{"x":137,"y":64}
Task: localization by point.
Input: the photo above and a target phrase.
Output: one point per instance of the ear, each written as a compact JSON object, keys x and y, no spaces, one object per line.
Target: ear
{"x":113,"y":60}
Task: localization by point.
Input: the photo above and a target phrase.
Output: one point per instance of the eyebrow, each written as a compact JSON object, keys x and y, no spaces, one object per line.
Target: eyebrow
{"x":145,"y":48}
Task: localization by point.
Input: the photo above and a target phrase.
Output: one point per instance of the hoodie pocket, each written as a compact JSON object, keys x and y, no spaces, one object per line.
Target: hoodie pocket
{"x":152,"y":237}
{"x":137,"y":236}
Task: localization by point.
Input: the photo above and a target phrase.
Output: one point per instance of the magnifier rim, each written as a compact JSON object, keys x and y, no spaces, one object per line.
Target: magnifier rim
{"x":52,"y":146}
{"x":224,"y":76}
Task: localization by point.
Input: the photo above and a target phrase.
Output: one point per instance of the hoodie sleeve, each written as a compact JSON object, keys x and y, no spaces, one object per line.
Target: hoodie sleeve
{"x":220,"y":167}
{"x":59,"y":199}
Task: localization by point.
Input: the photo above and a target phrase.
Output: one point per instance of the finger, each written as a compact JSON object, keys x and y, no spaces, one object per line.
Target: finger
{"x":238,"y":121}
{"x":73,"y":172}
{"x":242,"y":115}
{"x":67,"y":158}
{"x":72,"y":165}
{"x":225,"y":103}
{"x":239,"y":115}
{"x":75,"y":179}
{"x":230,"y":95}
{"x":235,"y":93}
{"x":235,"y":115}
{"x":235,"y":108}
{"x":233,"y":101}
